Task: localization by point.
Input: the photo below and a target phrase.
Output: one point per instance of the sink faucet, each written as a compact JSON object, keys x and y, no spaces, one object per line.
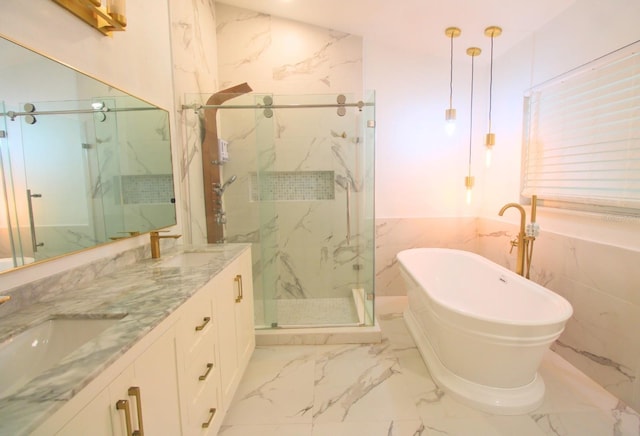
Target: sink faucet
{"x":526,"y":236}
{"x":4,"y":299}
{"x":155,"y":242}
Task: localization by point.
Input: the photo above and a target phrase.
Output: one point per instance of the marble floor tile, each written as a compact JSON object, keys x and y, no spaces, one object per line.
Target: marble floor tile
{"x":385,"y":389}
{"x":369,"y":428}
{"x":266,"y":430}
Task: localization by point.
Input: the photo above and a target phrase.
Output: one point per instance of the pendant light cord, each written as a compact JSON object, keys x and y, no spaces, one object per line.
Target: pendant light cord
{"x":471,"y":114}
{"x":451,"y":75}
{"x":490,"y":83}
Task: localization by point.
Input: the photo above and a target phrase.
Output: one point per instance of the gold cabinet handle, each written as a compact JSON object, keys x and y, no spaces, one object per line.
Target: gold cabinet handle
{"x":212,"y":413}
{"x":206,"y":374}
{"x":238,"y":280}
{"x":124,"y":405}
{"x":205,"y":320}
{"x":134,"y":391}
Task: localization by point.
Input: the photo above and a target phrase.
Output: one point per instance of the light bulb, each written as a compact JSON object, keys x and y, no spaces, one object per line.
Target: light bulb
{"x":469,"y":181}
{"x":450,"y":117}
{"x":489,"y":142}
{"x":487,"y":157}
{"x":450,"y":127}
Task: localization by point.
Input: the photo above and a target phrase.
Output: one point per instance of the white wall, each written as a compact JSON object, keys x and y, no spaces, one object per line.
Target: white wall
{"x":420,"y":171}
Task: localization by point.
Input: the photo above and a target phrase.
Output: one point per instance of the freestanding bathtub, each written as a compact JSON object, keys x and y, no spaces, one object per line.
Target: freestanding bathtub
{"x":481,"y":328}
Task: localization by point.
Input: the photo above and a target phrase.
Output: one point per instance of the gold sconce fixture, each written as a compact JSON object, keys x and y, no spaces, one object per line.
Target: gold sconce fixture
{"x":490,"y":139}
{"x":469,"y":179}
{"x":450,"y":114}
{"x":104,"y":15}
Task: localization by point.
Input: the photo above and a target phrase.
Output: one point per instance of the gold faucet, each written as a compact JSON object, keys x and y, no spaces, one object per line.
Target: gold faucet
{"x":520,"y":241}
{"x":4,"y":299}
{"x":524,"y":241}
{"x":155,"y":242}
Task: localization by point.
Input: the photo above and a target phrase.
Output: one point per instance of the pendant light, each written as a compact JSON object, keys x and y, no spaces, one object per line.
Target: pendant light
{"x":450,"y":114}
{"x":490,"y":139}
{"x":469,"y":179}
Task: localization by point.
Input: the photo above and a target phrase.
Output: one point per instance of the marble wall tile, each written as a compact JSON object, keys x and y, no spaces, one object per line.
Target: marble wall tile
{"x":195,"y":72}
{"x":301,"y":249}
{"x":396,"y":234}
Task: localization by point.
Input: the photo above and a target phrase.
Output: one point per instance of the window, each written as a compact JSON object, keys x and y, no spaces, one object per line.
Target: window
{"x":582,"y":136}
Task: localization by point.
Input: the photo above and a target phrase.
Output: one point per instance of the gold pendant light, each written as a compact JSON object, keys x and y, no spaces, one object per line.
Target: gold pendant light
{"x":469,"y":180}
{"x":490,"y":139}
{"x":450,"y":114}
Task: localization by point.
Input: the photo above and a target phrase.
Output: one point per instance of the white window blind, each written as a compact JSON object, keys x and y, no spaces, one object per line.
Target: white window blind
{"x":582,"y":134}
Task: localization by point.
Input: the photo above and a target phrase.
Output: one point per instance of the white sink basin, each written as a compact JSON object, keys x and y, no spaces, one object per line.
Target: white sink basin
{"x":41,"y":347}
{"x":190,"y":260}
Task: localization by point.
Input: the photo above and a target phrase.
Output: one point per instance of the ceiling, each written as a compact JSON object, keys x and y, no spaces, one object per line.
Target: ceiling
{"x":418,"y":26}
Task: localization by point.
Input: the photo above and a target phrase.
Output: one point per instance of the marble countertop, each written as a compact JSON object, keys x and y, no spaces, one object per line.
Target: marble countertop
{"x":146,"y":291}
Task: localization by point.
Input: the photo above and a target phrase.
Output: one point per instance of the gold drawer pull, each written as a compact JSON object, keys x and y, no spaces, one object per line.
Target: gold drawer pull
{"x":206,"y":374}
{"x":238,"y":280}
{"x":212,"y":412}
{"x":205,"y":320}
{"x":134,"y":391}
{"x":124,"y":405}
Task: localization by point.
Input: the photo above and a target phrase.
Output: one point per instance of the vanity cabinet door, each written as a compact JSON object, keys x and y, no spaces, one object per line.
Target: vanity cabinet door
{"x":236,"y":337}
{"x":245,"y":330}
{"x":225,"y":302}
{"x":151,"y":382}
{"x":155,"y":373}
{"x":94,"y":419}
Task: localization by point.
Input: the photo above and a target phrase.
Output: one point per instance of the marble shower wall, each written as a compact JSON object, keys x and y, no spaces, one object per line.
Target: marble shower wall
{"x":302,"y":252}
{"x":195,"y":72}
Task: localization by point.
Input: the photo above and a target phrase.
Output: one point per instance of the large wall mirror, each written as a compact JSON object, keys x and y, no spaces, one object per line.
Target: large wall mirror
{"x":81,"y":163}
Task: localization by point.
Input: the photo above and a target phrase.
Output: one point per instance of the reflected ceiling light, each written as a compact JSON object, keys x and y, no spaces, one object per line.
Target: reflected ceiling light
{"x":490,"y":139}
{"x":469,"y":179}
{"x":450,"y":114}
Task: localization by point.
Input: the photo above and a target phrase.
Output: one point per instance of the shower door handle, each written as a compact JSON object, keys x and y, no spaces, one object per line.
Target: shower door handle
{"x":348,"y":190}
{"x":34,"y":242}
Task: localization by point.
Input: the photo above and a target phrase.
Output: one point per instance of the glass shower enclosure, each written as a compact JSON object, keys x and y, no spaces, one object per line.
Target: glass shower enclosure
{"x":298,"y":172}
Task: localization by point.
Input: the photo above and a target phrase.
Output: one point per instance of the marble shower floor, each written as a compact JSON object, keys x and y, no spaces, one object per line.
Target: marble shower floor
{"x":385,"y":390}
{"x":339,"y":311}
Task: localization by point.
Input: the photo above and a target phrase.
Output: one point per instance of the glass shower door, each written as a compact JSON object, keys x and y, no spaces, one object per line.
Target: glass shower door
{"x":312,"y":184}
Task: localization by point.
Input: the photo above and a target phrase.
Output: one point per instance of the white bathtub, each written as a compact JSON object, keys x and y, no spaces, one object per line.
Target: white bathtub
{"x":481,"y":329}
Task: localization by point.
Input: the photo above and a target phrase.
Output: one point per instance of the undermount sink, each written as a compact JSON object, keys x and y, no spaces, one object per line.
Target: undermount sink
{"x":41,"y":347}
{"x":190,"y":259}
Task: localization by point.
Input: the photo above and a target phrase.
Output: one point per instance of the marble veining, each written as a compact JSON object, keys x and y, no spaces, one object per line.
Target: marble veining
{"x":146,"y":291}
{"x":385,"y":389}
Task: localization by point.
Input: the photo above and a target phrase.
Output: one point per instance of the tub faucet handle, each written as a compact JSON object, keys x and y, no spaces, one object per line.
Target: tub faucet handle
{"x":514,"y":243}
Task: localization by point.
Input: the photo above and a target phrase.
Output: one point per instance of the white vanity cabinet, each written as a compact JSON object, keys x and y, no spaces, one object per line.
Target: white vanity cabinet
{"x":182,"y":374}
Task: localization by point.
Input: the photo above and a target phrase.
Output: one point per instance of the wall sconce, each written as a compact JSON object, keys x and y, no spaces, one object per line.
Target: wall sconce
{"x":490,"y":139}
{"x":450,"y":114}
{"x":469,"y":179}
{"x":104,"y":15}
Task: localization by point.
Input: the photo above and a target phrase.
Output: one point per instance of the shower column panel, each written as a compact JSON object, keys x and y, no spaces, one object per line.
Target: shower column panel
{"x":210,"y":154}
